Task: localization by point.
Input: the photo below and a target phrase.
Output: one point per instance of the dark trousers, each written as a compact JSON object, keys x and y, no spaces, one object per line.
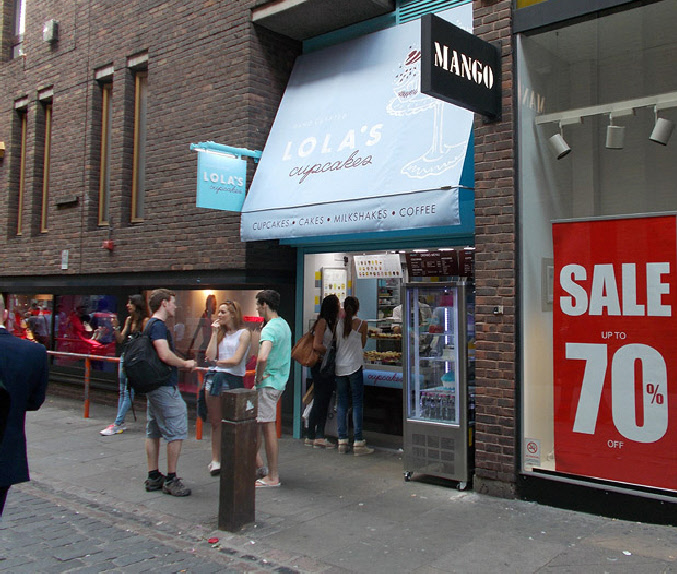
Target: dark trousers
{"x":3,"y":497}
{"x":323,"y":389}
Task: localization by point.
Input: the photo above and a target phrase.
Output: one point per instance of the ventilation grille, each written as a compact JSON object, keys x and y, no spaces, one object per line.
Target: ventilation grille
{"x":433,"y":454}
{"x":408,"y":10}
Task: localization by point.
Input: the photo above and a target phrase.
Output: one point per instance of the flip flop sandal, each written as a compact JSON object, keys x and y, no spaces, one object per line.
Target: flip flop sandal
{"x":261,"y":484}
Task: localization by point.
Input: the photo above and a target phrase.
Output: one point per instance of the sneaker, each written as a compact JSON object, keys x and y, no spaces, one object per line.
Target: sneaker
{"x":155,"y":484}
{"x":343,"y":446}
{"x":214,"y":467}
{"x":360,"y":448}
{"x":323,"y":443}
{"x":113,"y":429}
{"x":308,"y":442}
{"x":176,"y":488}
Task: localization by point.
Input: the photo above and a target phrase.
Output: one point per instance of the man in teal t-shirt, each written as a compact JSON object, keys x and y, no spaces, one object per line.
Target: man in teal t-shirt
{"x":273,"y":363}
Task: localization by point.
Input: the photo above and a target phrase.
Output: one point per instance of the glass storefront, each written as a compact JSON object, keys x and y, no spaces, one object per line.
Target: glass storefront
{"x":83,"y":324}
{"x":376,"y":278}
{"x":577,"y":81}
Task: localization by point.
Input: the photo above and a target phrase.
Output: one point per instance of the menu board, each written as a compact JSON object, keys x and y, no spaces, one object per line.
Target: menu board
{"x":386,"y":266}
{"x":441,"y":263}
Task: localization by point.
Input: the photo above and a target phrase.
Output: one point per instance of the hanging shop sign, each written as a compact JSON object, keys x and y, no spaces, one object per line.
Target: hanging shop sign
{"x":221,"y":175}
{"x":357,"y":147}
{"x":614,"y":328}
{"x":460,"y":68}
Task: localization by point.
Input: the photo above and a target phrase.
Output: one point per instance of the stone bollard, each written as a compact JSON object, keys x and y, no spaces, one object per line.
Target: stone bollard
{"x":237,"y":492}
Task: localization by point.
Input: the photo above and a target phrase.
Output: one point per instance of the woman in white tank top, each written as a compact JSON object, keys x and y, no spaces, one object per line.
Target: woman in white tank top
{"x":229,"y":349}
{"x":351,"y":335}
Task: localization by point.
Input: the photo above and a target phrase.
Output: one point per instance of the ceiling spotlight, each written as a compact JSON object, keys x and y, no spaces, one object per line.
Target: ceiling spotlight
{"x":615,"y":135}
{"x":662,"y":130}
{"x":559,"y":147}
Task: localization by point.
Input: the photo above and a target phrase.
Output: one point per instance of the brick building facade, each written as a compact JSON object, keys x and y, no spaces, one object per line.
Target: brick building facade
{"x":212,"y":74}
{"x":496,"y":232}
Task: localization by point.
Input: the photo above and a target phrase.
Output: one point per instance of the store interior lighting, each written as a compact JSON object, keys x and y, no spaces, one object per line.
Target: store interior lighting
{"x":662,"y":129}
{"x":558,"y":145}
{"x":661,"y":133}
{"x":615,"y":135}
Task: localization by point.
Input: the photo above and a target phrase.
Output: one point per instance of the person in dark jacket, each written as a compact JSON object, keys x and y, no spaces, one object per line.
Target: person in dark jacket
{"x":24,"y":373}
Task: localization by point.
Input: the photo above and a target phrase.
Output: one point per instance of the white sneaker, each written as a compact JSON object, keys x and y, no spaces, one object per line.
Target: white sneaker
{"x":113,"y":429}
{"x":214,"y":467}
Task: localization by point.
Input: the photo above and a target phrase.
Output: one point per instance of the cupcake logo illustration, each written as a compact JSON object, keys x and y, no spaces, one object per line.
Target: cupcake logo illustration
{"x":408,"y":101}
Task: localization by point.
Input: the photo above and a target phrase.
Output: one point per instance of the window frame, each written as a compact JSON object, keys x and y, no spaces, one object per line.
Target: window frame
{"x":46,"y":164}
{"x":23,"y":119}
{"x":139,"y":154}
{"x":105,"y":152}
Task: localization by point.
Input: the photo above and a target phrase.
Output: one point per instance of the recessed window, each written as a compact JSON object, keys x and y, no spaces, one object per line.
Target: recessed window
{"x":22,"y":115}
{"x":139,"y":165}
{"x":46,"y":161}
{"x":19,"y":28}
{"x":104,"y":158}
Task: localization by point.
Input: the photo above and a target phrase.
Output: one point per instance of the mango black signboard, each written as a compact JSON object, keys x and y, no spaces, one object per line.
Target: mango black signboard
{"x":460,"y":68}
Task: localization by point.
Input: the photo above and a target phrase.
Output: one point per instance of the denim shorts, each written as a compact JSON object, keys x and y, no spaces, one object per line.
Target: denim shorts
{"x":267,"y":407}
{"x":167,"y":416}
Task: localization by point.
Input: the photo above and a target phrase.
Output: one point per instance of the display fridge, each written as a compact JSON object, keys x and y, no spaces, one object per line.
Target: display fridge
{"x":439,"y":380}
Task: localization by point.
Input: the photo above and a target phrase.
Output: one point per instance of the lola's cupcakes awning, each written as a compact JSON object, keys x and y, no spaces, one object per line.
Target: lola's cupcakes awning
{"x":356,"y":147}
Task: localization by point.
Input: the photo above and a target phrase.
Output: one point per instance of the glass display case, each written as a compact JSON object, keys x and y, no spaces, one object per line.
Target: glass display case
{"x":438,"y":382}
{"x":386,"y":330}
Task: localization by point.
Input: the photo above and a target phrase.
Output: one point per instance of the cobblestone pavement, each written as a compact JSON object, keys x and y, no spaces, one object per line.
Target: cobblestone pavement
{"x":48,"y":531}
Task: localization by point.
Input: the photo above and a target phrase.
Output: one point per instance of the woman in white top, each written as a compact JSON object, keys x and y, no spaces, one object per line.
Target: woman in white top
{"x":228,"y":349}
{"x":351,"y":335}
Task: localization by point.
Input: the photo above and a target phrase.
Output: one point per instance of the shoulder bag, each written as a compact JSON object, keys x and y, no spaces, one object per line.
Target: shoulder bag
{"x":303,"y":351}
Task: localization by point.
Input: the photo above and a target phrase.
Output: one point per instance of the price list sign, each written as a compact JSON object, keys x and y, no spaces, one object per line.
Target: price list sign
{"x":615,"y":349}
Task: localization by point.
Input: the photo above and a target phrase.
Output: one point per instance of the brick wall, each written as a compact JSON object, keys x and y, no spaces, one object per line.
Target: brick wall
{"x":211,"y":75}
{"x":496,"y":256}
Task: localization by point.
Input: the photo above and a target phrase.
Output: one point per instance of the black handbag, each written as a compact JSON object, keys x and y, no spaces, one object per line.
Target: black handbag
{"x":328,"y":367}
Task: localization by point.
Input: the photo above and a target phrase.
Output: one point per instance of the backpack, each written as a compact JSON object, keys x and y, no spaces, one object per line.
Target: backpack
{"x":144,"y":370}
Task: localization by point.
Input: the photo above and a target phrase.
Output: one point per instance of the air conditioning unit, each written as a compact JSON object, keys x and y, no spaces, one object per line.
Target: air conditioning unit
{"x":50,"y":31}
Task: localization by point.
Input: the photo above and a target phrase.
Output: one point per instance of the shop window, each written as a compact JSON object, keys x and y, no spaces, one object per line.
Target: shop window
{"x":105,"y":150}
{"x":30,"y":317}
{"x":46,"y":164}
{"x":139,"y":161}
{"x":84,"y":324}
{"x":568,"y":79}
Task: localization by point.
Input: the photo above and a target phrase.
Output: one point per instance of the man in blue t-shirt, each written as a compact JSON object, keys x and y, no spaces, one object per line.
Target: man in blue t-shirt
{"x":167,"y":416}
{"x":273,"y":363}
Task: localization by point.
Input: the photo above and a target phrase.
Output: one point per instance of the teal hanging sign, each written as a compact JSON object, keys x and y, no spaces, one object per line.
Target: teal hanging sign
{"x":221,"y":179}
{"x":222,"y":175}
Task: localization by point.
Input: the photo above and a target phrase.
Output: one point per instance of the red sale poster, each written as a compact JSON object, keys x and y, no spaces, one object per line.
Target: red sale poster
{"x":615,"y":349}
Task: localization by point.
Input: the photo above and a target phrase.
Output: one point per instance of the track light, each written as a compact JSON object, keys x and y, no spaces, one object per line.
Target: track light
{"x":662,"y":129}
{"x":615,"y":135}
{"x":559,"y":147}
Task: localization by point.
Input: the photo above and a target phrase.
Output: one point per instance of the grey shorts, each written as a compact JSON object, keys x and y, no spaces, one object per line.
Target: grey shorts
{"x":166,"y":414}
{"x":267,"y":409}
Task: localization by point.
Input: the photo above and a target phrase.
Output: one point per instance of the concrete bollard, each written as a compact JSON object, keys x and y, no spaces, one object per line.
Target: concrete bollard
{"x":237,"y":492}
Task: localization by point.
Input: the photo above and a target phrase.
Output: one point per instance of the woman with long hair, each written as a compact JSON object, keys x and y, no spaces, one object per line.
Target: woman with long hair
{"x":228,"y":349}
{"x":135,"y":322}
{"x":351,"y":335}
{"x":324,"y":383}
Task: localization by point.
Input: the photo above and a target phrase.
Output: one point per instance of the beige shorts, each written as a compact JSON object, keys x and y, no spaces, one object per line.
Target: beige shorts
{"x":268,"y":399}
